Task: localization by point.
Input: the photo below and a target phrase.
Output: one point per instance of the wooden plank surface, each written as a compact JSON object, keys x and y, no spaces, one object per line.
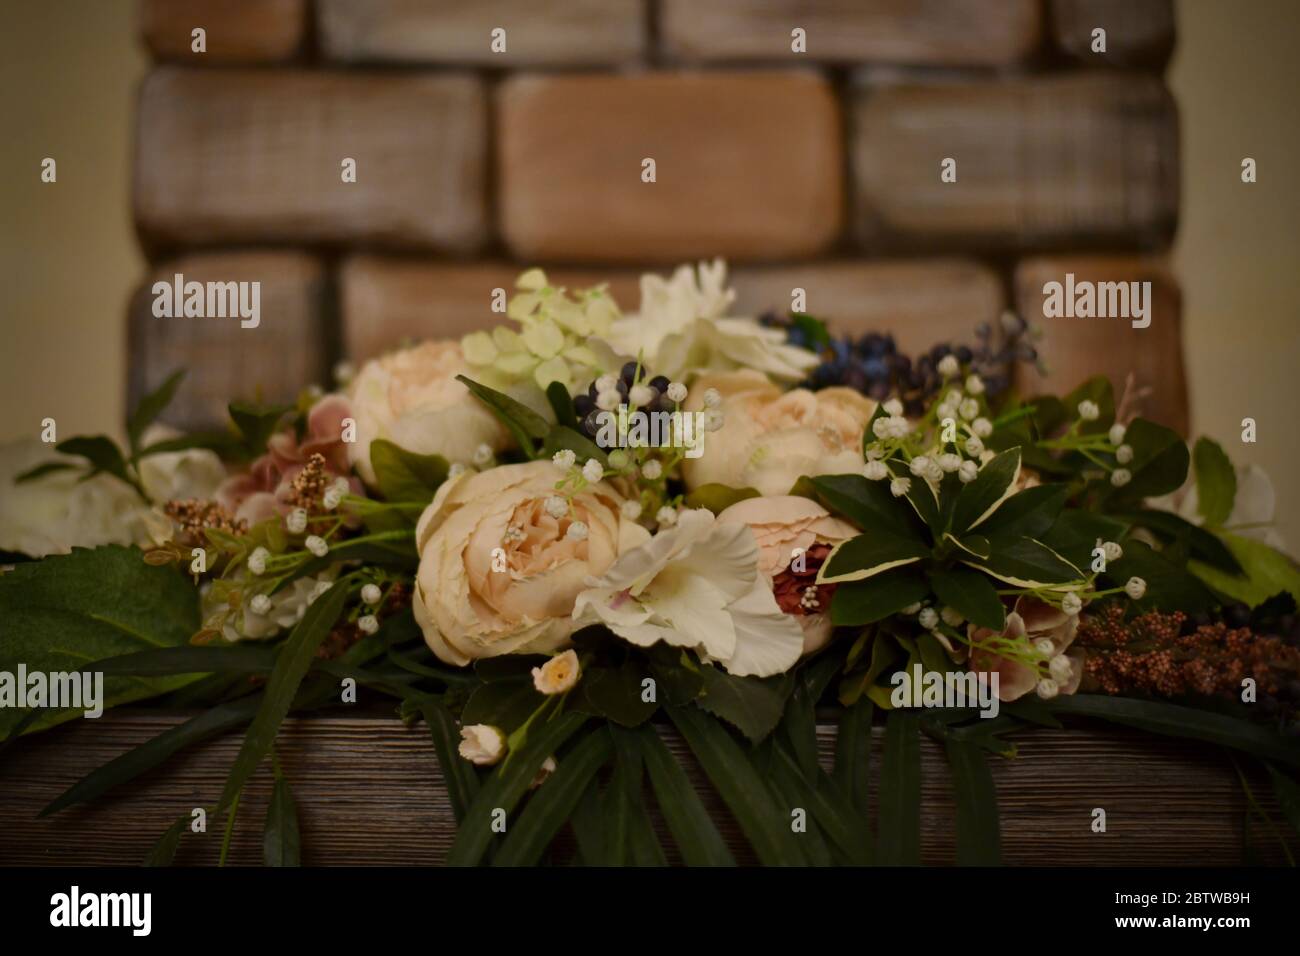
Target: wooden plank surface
{"x":237,"y":31}
{"x":1139,"y":33}
{"x":369,"y":791}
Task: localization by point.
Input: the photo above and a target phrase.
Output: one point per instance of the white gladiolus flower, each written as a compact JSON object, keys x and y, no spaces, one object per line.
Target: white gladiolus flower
{"x":969,"y":409}
{"x":257,"y":560}
{"x":1124,"y":454}
{"x":666,"y":516}
{"x":640,"y":395}
{"x":1135,"y":588}
{"x":968,"y":472}
{"x":1071,"y":603}
{"x":593,"y":471}
{"x":974,"y":384}
{"x":1112,"y":551}
{"x":558,"y":674}
{"x":1048,"y":688}
{"x":296,"y":521}
{"x":565,"y":458}
{"x":578,"y":531}
{"x":875,"y":471}
{"x":631,"y":510}
{"x":317,"y":545}
{"x":900,"y":486}
{"x":949,"y":366}
{"x":652,"y":469}
{"x":677,"y":392}
{"x":1120,"y":477}
{"x":1088,"y":410}
{"x":949,"y":462}
{"x":260,"y":604}
{"x":371,"y":594}
{"x":929,"y":617}
{"x":919,"y":465}
{"x":712,"y":398}
{"x":368,"y":623}
{"x":482,"y":745}
{"x":1117,"y":433}
{"x":556,"y":507}
{"x":982,"y":427}
{"x":1060,"y":668}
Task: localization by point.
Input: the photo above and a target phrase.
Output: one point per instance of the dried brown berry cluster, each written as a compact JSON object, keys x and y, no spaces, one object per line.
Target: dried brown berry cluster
{"x":192,"y":516}
{"x":1159,"y":655}
{"x":308,"y":486}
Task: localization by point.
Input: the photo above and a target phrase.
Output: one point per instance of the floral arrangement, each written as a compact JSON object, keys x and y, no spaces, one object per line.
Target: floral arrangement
{"x":549,"y":539}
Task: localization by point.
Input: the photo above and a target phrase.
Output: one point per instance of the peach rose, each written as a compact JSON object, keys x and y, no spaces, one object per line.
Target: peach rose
{"x":411,"y":398}
{"x":1030,"y":624}
{"x":498,"y":573}
{"x":769,"y":438}
{"x":782,"y":525}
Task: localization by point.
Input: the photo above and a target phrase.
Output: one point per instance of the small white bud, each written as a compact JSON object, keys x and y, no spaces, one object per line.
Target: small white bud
{"x":652,"y":469}
{"x":482,"y":456}
{"x":929,"y":617}
{"x":606,"y":383}
{"x":666,"y":516}
{"x":593,"y":471}
{"x":371,"y":594}
{"x":1071,"y":603}
{"x":631,"y":509}
{"x":1060,"y":667}
{"x":712,"y":398}
{"x":578,"y":531}
{"x":1117,"y":433}
{"x":974,"y":446}
{"x":1124,"y":454}
{"x":608,"y":400}
{"x":1120,"y":477}
{"x":968,"y":472}
{"x":317,"y":545}
{"x":982,"y":427}
{"x":618,"y":459}
{"x":565,"y":458}
{"x":975,"y":384}
{"x":482,"y":744}
{"x":257,"y":560}
{"x":456,"y":470}
{"x":919,"y":465}
{"x":949,"y":462}
{"x":260,"y":604}
{"x":949,"y":366}
{"x":969,"y":409}
{"x":894,"y":407}
{"x":875,"y":471}
{"x":1048,"y":688}
{"x":1113,"y":551}
{"x":1045,"y":647}
{"x":296,"y":521}
{"x":1135,"y":588}
{"x":640,"y":395}
{"x":556,"y":507}
{"x":368,"y":623}
{"x":331,"y":499}
{"x":1088,"y":410}
{"x":677,"y":392}
{"x":900,"y":486}
{"x":714,"y":420}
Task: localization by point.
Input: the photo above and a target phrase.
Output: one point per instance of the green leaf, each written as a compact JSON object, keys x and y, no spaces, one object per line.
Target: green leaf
{"x":884,"y":651}
{"x":151,"y":406}
{"x":1267,"y":571}
{"x":506,"y":786}
{"x":256,"y":424}
{"x":979,"y":499}
{"x":462,"y":781}
{"x":867,"y":504}
{"x":799,"y":724}
{"x":1288,"y":796}
{"x":189,"y":659}
{"x":978,"y":840}
{"x":506,"y":705}
{"x":66,"y":611}
{"x":1169,"y":587}
{"x":164,"y":851}
{"x":1029,"y":513}
{"x":845,"y":830}
{"x":524,"y":423}
{"x":154,"y":752}
{"x":562,"y":404}
{"x":615,"y":693}
{"x":1159,"y":465}
{"x":741,"y":787}
{"x":405,"y":475}
{"x":555,"y":801}
{"x":853,"y":754}
{"x":877,"y":597}
{"x":291,"y":666}
{"x":1173,"y":720}
{"x":717,"y":497}
{"x":693,"y":830}
{"x":1203,"y":544}
{"x":1216,"y":482}
{"x":224,"y":444}
{"x":899,"y":840}
{"x":753,"y":705}
{"x":561,"y":438}
{"x":100,"y":450}
{"x":869,"y":554}
{"x":40,"y":471}
{"x":1025,"y":562}
{"x":281,"y":841}
{"x":972,"y":595}
{"x":1074,"y":534}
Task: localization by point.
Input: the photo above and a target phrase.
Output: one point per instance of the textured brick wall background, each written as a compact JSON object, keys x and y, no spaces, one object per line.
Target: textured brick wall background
{"x":818,"y":170}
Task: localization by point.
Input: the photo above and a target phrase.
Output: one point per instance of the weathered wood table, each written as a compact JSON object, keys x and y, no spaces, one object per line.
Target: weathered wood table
{"x":369,"y":791}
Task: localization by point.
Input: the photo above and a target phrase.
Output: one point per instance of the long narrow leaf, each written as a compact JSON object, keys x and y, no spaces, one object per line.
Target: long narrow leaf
{"x":555,"y":802}
{"x":978,"y":834}
{"x":853,"y":754}
{"x":164,"y":851}
{"x":462,"y":781}
{"x":899,"y":825}
{"x":506,"y":787}
{"x":845,"y":830}
{"x":281,"y":841}
{"x":693,"y":830}
{"x":187,"y":659}
{"x":744,"y":791}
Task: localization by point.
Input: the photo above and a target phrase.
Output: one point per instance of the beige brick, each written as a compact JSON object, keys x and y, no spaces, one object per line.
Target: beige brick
{"x":920,"y":302}
{"x":1040,"y":163}
{"x":244,"y":155}
{"x":1138,"y":32}
{"x":237,"y":31}
{"x":954,"y":33}
{"x":567,"y":32}
{"x":386,"y":301}
{"x":288,"y":349}
{"x":1077,"y":348}
{"x":747,"y":166}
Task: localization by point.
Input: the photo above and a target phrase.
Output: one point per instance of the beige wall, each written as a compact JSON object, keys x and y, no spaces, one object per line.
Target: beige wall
{"x":68,"y":257}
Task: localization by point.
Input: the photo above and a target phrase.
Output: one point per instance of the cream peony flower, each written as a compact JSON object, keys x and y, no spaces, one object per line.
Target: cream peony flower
{"x":787,"y":527}
{"x":480,"y":522}
{"x":411,"y":398}
{"x":682,"y":328}
{"x":482,"y":744}
{"x":697,"y":585}
{"x":770,"y":438}
{"x":558,"y":674}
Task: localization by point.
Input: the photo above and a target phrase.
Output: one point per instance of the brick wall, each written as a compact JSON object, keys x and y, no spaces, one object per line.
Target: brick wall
{"x":817,"y":169}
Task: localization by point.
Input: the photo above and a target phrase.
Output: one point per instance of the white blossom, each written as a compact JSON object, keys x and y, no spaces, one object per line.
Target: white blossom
{"x":257,"y":560}
{"x":919,"y":465}
{"x":482,"y":744}
{"x":893,"y":407}
{"x":631,"y":509}
{"x":929,"y":617}
{"x":974,"y":384}
{"x":371,"y":593}
{"x":577,"y":531}
{"x":969,"y":409}
{"x":565,"y":458}
{"x":593,"y":471}
{"x":666,"y":516}
{"x":900,"y":486}
{"x":1112,"y":551}
{"x":640,"y":395}
{"x":1088,"y":410}
{"x":1124,"y":454}
{"x":677,"y":392}
{"x":949,"y":462}
{"x":317,"y":545}
{"x":368,"y":623}
{"x":949,"y":366}
{"x":1117,"y":433}
{"x":296,"y":521}
{"x":1048,"y":688}
{"x":1135,"y":588}
{"x":608,"y":400}
{"x":652,"y":469}
{"x":1120,"y":477}
{"x":982,"y":427}
{"x":712,"y":398}
{"x":1071,"y":603}
{"x":261,"y":604}
{"x":875,"y":471}
{"x":1060,"y":667}
{"x":556,"y":507}
{"x":968,"y":472}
